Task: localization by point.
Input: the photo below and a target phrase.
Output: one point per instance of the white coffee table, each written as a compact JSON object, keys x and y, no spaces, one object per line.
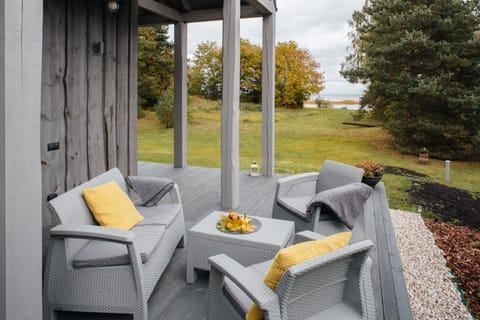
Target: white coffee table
{"x":204,"y":240}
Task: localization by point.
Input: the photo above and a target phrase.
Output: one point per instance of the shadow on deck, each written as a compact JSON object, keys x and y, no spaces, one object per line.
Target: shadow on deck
{"x":174,"y":299}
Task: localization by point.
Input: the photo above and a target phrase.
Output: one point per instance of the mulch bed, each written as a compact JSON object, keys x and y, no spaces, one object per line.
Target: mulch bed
{"x":458,"y":244}
{"x":460,"y":238}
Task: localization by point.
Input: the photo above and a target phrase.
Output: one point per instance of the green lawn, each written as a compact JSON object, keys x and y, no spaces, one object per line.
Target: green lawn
{"x":304,"y":139}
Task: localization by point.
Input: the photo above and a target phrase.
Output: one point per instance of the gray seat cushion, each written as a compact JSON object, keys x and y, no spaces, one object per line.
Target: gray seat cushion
{"x":160,"y":214}
{"x":99,"y":253}
{"x":242,"y":301}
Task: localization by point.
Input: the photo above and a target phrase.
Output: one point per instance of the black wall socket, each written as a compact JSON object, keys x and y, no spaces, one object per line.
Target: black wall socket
{"x":53,"y":146}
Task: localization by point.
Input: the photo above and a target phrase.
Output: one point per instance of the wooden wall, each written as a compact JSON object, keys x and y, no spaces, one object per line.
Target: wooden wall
{"x":89,"y":98}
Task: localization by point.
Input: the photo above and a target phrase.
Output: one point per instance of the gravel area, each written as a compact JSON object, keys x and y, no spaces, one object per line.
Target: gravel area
{"x":433,"y":294}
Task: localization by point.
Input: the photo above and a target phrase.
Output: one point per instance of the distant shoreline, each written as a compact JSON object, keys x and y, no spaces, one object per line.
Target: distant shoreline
{"x":336,"y":102}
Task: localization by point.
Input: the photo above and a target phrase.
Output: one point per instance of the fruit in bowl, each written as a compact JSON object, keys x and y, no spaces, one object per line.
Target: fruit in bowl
{"x":233,"y":222}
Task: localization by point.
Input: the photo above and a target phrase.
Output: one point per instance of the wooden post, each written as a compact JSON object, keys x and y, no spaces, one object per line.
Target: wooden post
{"x":180,"y":102}
{"x":268,"y":96}
{"x":122,"y":112}
{"x":132,"y":90}
{"x":230,"y":184}
{"x":20,"y":170}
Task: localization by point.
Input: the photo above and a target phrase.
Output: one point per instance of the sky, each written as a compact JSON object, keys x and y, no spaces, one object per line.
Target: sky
{"x":321,"y":26}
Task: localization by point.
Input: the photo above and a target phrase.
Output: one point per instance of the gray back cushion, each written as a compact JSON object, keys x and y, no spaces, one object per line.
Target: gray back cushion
{"x":70,"y":207}
{"x":335,"y":174}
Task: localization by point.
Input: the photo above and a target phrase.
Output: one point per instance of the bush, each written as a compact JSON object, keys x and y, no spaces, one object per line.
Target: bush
{"x":250,"y":107}
{"x":164,"y":108}
{"x":321,"y":103}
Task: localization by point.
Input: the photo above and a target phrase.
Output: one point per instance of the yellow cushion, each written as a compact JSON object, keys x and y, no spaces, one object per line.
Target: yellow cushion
{"x":111,"y":206}
{"x":294,"y":255}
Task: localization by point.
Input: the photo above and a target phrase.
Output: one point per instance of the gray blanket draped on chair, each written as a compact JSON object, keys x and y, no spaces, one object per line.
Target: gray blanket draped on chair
{"x":147,"y":191}
{"x":345,"y":202}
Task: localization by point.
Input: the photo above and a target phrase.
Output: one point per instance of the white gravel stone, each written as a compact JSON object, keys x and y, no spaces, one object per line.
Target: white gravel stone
{"x":433,"y":294}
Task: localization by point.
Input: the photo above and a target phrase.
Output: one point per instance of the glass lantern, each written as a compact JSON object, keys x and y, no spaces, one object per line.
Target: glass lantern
{"x":254,"y":169}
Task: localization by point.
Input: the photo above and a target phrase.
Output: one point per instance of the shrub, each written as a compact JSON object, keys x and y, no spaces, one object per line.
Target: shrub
{"x":164,"y":108}
{"x":321,"y":103}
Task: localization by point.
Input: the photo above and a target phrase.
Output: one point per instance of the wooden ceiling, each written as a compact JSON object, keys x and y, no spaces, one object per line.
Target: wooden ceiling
{"x":171,"y":11}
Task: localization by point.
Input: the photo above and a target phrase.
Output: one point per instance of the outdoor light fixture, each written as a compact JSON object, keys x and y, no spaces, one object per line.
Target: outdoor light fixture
{"x":254,"y":169}
{"x":112,"y":6}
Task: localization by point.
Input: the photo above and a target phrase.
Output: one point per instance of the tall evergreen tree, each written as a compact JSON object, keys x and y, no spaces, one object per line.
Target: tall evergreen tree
{"x":421,"y":62}
{"x":155,"y":64}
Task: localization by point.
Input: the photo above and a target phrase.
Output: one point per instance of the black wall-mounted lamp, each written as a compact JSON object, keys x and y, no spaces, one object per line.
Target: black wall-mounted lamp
{"x":112,"y":6}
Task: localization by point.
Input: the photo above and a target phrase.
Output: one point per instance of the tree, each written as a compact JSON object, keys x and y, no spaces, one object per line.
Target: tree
{"x":250,"y":71}
{"x":205,"y":72}
{"x":297,"y":76}
{"x":164,"y":108}
{"x":421,"y":61}
{"x":155,"y":64}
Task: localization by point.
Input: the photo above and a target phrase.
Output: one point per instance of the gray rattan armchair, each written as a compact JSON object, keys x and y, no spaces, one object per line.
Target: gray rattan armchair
{"x":293,"y":207}
{"x":336,"y":285}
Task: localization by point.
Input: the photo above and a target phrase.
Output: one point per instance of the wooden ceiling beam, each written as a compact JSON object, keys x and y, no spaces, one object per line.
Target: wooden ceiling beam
{"x":217,"y":14}
{"x":186,"y":4}
{"x":160,"y":9}
{"x":265,"y":7}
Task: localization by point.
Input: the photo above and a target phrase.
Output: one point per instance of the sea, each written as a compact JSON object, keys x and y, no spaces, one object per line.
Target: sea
{"x":336,"y":98}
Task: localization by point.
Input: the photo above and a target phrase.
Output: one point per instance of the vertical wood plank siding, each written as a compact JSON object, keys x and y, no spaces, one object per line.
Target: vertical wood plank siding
{"x":89,"y":96}
{"x":76,"y":94}
{"x":53,"y":102}
{"x":110,"y":88}
{"x":96,"y":126}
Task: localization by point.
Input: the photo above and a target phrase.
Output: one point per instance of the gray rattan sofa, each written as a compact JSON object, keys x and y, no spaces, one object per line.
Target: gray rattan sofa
{"x":91,"y":268}
{"x":336,"y":285}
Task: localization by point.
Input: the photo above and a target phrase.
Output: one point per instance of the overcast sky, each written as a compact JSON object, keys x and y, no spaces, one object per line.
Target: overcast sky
{"x":321,"y":26}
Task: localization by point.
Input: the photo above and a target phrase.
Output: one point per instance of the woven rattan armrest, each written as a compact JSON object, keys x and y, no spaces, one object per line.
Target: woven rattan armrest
{"x":92,"y":232}
{"x":262,"y":295}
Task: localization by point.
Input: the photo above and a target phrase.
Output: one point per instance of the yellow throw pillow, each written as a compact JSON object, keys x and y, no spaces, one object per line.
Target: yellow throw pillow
{"x":111,"y":206}
{"x":294,"y":255}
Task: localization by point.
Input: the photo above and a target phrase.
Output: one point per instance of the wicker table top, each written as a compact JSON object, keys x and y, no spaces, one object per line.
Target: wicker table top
{"x":273,"y":232}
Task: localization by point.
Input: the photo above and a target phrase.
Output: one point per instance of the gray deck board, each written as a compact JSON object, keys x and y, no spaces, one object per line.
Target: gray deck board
{"x":199,"y":188}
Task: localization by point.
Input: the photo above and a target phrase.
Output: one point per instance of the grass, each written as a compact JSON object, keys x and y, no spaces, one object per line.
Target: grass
{"x":304,"y":139}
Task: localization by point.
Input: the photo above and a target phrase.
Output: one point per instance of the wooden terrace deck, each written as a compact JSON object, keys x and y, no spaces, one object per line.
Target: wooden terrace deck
{"x":174,"y":299}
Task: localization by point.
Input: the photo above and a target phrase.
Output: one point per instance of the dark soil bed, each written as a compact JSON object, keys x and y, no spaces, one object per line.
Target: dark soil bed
{"x":450,"y":204}
{"x":404,"y":172}
{"x":459,"y":244}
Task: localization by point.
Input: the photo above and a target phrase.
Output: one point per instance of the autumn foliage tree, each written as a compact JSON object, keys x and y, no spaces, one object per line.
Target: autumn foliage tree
{"x":155,"y":64}
{"x":421,"y":62}
{"x":297,"y":76}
